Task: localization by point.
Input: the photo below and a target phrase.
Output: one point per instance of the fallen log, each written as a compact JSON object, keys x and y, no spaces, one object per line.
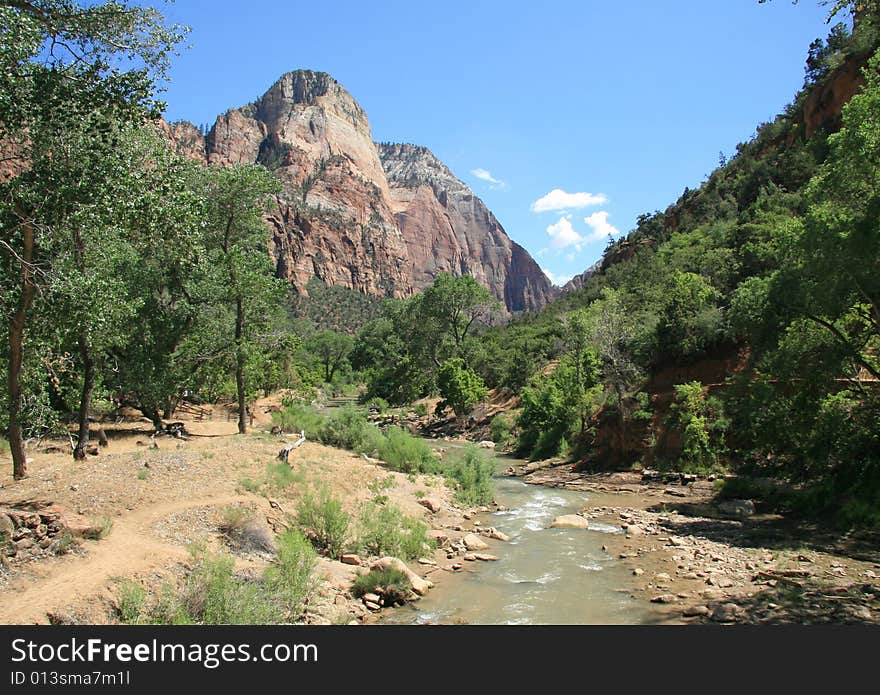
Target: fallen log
{"x":284,"y":454}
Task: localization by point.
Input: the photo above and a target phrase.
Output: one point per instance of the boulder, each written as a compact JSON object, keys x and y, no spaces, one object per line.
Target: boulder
{"x":440,"y":538}
{"x":492,"y":532}
{"x":350,"y":559}
{"x":695,"y":611}
{"x":737,"y":509}
{"x":570,"y":521}
{"x":432,"y":504}
{"x":725,"y":613}
{"x":486,"y":444}
{"x":474,"y":542}
{"x":485,"y":557}
{"x":419,"y":585}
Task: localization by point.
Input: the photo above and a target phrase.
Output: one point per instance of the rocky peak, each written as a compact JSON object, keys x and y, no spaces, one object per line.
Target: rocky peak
{"x":447,"y":228}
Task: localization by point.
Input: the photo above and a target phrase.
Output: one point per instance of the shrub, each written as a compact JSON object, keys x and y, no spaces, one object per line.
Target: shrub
{"x":501,"y":429}
{"x":461,"y":387}
{"x":242,"y":531}
{"x":390,"y":583}
{"x":296,"y":416}
{"x":385,"y":530}
{"x":472,"y":475}
{"x":377,"y":404}
{"x":290,"y":578}
{"x":100,"y":528}
{"x":323,"y":521}
{"x":348,"y":428}
{"x":421,"y":409}
{"x":404,"y":452}
{"x":130,"y":603}
{"x":279,"y":476}
{"x":702,"y":424}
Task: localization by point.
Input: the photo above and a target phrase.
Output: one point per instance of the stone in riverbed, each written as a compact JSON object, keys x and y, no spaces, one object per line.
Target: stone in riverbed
{"x":496,"y":534}
{"x":664,"y":598}
{"x":570,"y":521}
{"x":485,"y":557}
{"x":474,"y":542}
{"x":486,"y":444}
{"x":350,"y":559}
{"x":725,"y":613}
{"x":695,"y":611}
{"x":440,"y":538}
{"x":431,"y":504}
{"x":638,"y":572}
{"x":737,"y":509}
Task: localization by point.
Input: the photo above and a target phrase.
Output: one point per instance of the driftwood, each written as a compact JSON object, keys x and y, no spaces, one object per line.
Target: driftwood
{"x":284,"y":454}
{"x":102,"y":438}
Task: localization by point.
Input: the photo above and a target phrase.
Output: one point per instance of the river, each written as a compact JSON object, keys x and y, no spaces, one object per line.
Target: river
{"x":543,"y":575}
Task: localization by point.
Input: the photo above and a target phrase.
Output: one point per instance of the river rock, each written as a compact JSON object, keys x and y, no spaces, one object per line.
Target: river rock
{"x":664,"y":598}
{"x":473,"y":542}
{"x":440,"y":538}
{"x":485,"y":557}
{"x":662,"y":577}
{"x":633,"y":530}
{"x":431,"y":504}
{"x":350,"y":559}
{"x":492,"y":532}
{"x":570,"y":521}
{"x":725,"y":613}
{"x":695,"y":611}
{"x":419,"y":585}
{"x":638,"y":572}
{"x":486,"y":444}
{"x":737,"y":509}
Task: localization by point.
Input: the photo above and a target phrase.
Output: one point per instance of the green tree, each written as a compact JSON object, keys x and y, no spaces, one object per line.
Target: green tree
{"x":332,"y":350}
{"x":61,"y":67}
{"x":239,"y":277}
{"x":460,"y":387}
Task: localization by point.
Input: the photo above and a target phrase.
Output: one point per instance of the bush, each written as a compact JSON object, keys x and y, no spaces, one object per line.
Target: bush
{"x":377,"y":404}
{"x":214,"y":595}
{"x":385,"y":530}
{"x":404,"y":452}
{"x":348,"y":428}
{"x":472,"y":475}
{"x":461,"y":387}
{"x":290,"y":578}
{"x":702,"y":424}
{"x":278,"y":477}
{"x":130,"y":603}
{"x":296,"y":416}
{"x":501,"y":429}
{"x":323,"y":521}
{"x":242,"y":531}
{"x":421,"y":409}
{"x":389,"y":583}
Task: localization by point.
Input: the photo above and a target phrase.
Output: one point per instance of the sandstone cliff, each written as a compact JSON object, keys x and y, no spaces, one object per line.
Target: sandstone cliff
{"x":382,"y":226}
{"x":447,"y":228}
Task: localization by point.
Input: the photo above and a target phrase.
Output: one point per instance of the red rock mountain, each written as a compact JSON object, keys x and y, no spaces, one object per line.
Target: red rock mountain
{"x":382,"y":220}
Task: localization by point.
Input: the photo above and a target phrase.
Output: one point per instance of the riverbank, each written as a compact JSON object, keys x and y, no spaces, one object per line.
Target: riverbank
{"x":78,"y":531}
{"x":696,"y":562}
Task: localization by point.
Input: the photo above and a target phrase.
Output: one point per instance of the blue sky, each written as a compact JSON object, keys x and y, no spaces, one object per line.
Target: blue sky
{"x":569,"y":119}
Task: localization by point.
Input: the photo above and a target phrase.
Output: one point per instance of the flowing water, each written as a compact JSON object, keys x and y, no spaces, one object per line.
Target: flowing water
{"x":543,"y":575}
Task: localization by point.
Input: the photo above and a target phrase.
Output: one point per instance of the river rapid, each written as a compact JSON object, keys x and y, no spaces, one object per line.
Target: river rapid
{"x":543,"y":575}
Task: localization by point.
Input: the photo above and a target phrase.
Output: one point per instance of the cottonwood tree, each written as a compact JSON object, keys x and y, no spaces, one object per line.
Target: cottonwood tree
{"x":239,"y":281}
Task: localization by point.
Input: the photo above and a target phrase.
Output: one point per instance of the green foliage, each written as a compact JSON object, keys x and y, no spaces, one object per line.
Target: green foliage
{"x":460,"y":387}
{"x":701,"y":420}
{"x":348,"y":428}
{"x":402,"y":451}
{"x":421,"y":410}
{"x":383,"y":530}
{"x":393,"y":585}
{"x":130,"y":602}
{"x":323,"y":521}
{"x":336,"y":308}
{"x":501,"y":429}
{"x":471,"y":474}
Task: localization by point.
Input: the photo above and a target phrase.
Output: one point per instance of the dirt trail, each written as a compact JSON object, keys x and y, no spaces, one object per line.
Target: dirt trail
{"x":129,"y":549}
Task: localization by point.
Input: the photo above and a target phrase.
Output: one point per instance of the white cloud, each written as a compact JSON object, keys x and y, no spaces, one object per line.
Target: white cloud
{"x":557,"y":199}
{"x":563,"y":235}
{"x":484,"y":175}
{"x":602,"y":229}
{"x":558,"y":280}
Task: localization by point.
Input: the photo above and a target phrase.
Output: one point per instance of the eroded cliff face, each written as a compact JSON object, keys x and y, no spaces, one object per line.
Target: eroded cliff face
{"x":447,"y":228}
{"x":384,"y":226}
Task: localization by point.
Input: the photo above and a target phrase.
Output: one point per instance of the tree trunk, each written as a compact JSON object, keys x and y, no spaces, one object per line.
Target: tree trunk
{"x":152,"y":413}
{"x":16,"y":352}
{"x":239,"y":366}
{"x":85,"y":401}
